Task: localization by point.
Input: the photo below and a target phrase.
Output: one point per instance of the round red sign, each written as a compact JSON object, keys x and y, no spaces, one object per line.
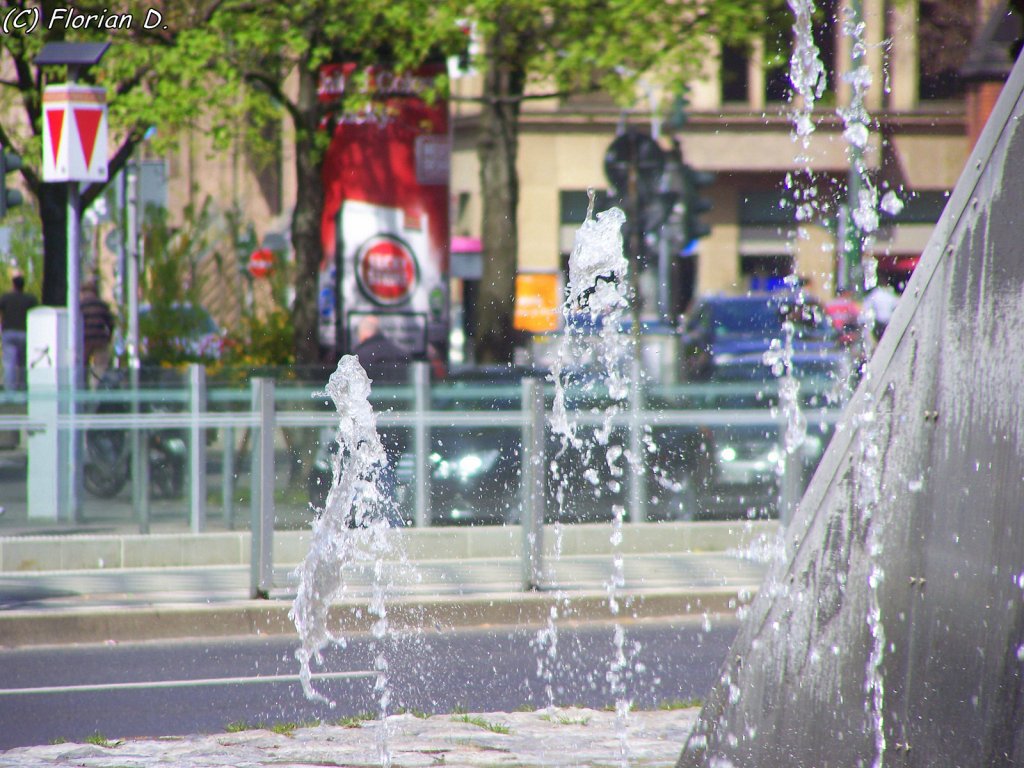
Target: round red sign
{"x":386,"y":270}
{"x":261,"y":262}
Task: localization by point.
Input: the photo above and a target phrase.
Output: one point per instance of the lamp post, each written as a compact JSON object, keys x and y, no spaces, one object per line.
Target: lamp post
{"x":77,"y":57}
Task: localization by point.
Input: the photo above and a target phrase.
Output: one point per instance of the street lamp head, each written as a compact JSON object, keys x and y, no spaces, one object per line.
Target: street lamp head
{"x":77,"y":56}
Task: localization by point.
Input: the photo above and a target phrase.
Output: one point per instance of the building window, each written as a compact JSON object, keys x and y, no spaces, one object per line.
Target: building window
{"x":945,"y":31}
{"x":735,"y":77}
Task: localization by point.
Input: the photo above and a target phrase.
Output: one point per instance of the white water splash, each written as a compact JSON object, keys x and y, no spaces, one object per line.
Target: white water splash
{"x":597,"y":298}
{"x":596,"y":352}
{"x":868,"y":498}
{"x":806,"y":71}
{"x":352,"y":529}
{"x":856,"y":131}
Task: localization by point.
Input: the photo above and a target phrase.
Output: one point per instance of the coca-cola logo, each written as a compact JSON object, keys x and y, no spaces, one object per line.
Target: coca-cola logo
{"x":386,"y":270}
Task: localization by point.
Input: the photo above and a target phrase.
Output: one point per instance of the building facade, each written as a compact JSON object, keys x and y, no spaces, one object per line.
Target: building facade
{"x":739,"y":126}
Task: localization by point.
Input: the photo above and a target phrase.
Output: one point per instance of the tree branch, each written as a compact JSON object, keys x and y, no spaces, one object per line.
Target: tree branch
{"x":269,"y":85}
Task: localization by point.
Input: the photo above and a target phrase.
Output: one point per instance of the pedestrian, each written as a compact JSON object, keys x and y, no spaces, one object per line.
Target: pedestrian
{"x":384,"y":361}
{"x":14,"y":307}
{"x":97,"y":330}
{"x":877,"y":309}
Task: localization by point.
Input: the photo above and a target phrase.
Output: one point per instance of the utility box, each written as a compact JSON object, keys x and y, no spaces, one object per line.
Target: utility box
{"x":49,"y":448}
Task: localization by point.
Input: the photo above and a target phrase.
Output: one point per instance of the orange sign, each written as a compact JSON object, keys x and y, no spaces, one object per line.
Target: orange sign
{"x":537,"y":302}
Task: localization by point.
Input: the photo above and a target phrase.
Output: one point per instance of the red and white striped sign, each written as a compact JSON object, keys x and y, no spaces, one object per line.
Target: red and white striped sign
{"x":74,"y":133}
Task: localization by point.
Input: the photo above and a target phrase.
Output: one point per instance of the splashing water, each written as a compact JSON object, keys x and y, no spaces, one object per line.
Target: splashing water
{"x":856,"y":131}
{"x":597,"y":299}
{"x":353,"y":528}
{"x":806,"y":70}
{"x":808,"y":78}
{"x":868,"y":482}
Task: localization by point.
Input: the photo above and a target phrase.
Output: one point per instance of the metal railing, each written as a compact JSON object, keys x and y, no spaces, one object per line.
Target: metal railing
{"x":267,"y":408}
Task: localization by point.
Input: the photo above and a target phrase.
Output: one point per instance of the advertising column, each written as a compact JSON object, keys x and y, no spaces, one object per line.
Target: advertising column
{"x":385,"y":232}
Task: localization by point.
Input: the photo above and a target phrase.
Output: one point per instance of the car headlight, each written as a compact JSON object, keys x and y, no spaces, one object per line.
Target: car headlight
{"x":728,"y":453}
{"x":466,"y":467}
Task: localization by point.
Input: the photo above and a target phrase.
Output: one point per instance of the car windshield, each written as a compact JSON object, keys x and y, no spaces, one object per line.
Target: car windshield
{"x":763,"y":318}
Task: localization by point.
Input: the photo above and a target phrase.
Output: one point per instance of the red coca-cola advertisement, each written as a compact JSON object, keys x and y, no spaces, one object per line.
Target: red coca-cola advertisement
{"x":385,"y":218}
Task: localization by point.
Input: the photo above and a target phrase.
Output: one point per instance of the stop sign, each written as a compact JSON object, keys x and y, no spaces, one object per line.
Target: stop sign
{"x":261,"y":262}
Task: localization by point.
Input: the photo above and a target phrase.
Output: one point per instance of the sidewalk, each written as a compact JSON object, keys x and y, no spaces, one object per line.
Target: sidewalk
{"x":562,"y":737}
{"x":454,"y":577}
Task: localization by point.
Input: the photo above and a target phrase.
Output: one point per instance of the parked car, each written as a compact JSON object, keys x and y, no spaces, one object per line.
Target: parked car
{"x":474,"y":472}
{"x":725,"y":338}
{"x":745,"y":478}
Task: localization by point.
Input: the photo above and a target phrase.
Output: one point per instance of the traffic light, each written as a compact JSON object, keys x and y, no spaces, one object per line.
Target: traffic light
{"x":694,"y":182}
{"x":9,"y":198}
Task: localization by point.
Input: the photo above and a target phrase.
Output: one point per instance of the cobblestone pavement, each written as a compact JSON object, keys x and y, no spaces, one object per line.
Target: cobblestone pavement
{"x":555,"y":738}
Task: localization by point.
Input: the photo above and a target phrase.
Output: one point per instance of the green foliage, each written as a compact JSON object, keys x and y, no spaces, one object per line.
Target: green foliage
{"x":266,"y":335}
{"x":354,"y":721}
{"x":481,"y":722}
{"x":101,"y":741}
{"x":575,"y":47}
{"x":26,"y":254}
{"x":175,"y":321}
{"x":675,"y":704}
{"x":563,"y":719}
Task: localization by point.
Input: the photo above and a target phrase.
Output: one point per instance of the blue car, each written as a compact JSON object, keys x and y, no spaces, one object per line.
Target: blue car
{"x":725,"y":338}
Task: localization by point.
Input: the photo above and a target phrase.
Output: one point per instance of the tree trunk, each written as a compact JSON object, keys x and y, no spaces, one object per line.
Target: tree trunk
{"x":499,"y":188}
{"x":306,"y":220}
{"x":53,"y":210}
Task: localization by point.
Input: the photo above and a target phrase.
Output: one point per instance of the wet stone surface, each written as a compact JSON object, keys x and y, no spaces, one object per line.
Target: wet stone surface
{"x":560,"y":737}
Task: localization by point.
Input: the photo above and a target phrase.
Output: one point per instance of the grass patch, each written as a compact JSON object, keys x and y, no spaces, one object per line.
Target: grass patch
{"x":284,"y":729}
{"x":563,"y":719}
{"x":680,"y":704}
{"x":100,"y":740}
{"x":239,"y":726}
{"x":355,"y":721}
{"x":480,"y":722}
{"x":417,"y":713}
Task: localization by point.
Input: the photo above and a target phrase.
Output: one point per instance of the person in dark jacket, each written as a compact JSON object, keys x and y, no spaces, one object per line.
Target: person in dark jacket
{"x":14,"y":307}
{"x":97,"y":330}
{"x":384,"y":361}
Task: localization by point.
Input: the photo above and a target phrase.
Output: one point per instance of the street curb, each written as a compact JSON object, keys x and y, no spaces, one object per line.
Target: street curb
{"x":257,"y":618}
{"x":19,"y":554}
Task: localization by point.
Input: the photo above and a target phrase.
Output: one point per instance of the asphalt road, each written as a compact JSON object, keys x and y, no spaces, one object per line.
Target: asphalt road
{"x":492,"y":669}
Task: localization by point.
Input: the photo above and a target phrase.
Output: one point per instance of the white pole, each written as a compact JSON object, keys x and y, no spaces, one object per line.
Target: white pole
{"x":74,"y":376}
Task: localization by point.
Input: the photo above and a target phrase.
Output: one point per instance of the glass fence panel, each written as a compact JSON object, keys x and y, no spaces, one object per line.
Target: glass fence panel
{"x":144,"y":453}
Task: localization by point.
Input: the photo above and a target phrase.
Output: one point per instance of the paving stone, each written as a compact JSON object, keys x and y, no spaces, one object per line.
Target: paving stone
{"x":557,"y":738}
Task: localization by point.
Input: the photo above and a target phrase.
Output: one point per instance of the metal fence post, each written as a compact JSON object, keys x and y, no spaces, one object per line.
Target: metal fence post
{"x":261,"y":560}
{"x":227,"y":474}
{"x":790,"y":478}
{"x":532,"y":462}
{"x":421,"y":404}
{"x":139,"y":461}
{"x":197,"y":447}
{"x":637,"y":463}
